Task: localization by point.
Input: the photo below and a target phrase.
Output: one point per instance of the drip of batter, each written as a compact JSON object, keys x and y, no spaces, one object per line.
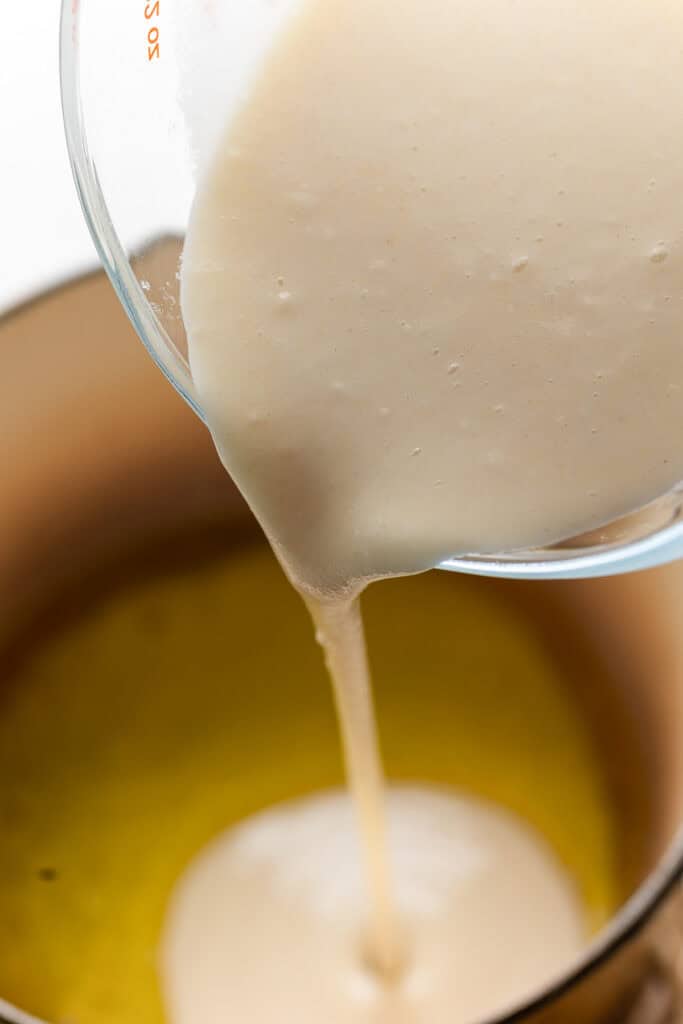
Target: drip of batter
{"x":340,"y":631}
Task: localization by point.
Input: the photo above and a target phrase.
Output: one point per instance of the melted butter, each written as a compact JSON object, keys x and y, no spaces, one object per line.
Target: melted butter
{"x":128,"y":741}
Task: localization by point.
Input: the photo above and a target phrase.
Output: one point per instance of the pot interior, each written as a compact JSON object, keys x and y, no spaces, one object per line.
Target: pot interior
{"x":159,"y":680}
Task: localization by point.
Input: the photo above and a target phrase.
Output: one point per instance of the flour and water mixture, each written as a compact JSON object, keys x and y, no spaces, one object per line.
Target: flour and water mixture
{"x":432,"y":290}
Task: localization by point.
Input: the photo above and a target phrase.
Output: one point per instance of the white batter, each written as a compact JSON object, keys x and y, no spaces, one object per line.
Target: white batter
{"x":432,"y":278}
{"x":266,"y":926}
{"x":433,"y":290}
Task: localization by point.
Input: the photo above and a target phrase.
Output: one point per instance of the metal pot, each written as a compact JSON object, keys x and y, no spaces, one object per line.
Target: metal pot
{"x":105,"y":458}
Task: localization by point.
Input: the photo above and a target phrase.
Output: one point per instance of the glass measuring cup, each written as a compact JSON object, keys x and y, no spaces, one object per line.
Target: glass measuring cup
{"x":129,"y":81}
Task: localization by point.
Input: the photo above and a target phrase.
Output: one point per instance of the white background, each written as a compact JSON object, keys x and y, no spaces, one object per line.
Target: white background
{"x":44,"y":238}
